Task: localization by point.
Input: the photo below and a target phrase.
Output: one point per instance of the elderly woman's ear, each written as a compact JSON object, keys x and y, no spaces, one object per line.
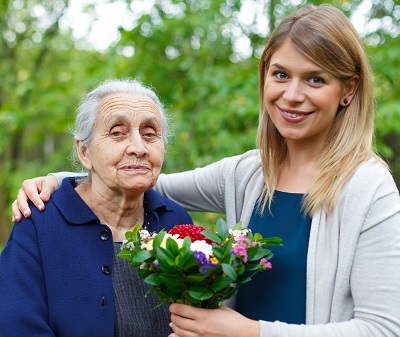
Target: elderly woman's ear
{"x":83,"y":154}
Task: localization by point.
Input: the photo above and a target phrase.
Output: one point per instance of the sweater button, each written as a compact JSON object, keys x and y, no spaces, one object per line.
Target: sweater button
{"x":104,"y":235}
{"x":105,"y":269}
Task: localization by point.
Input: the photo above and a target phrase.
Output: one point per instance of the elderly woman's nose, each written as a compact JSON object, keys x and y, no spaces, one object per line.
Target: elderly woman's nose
{"x":137,"y":145}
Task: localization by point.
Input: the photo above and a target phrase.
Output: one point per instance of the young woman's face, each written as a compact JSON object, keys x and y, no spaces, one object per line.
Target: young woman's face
{"x":302,"y":99}
{"x":127,"y":150}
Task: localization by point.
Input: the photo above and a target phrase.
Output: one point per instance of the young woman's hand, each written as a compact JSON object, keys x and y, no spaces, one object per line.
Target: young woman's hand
{"x":38,"y":190}
{"x":187,"y":321}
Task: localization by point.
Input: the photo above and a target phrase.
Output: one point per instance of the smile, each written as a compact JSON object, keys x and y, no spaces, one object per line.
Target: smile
{"x":293,"y":116}
{"x":135,"y":168}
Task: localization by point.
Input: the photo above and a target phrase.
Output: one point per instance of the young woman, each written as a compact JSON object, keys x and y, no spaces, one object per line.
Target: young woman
{"x":315,"y":181}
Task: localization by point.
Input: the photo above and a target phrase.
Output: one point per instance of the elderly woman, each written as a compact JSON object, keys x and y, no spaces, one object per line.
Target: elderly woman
{"x":59,"y":272}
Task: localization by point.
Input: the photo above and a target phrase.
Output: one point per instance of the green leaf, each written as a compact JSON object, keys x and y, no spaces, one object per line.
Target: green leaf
{"x":195,"y":279}
{"x":136,"y":230}
{"x":222,"y":229}
{"x":130,"y":236}
{"x":212,"y":236}
{"x":200,"y":293}
{"x":257,"y":253}
{"x":153,"y":279}
{"x":142,"y":256}
{"x":186,"y":245}
{"x":243,"y":279}
{"x":252,"y":266}
{"x":218,"y":252}
{"x":220,"y":283}
{"x":272,"y":241}
{"x":172,"y":246}
{"x":240,"y":269}
{"x":237,"y":227}
{"x":125,"y":254}
{"x":165,"y":264}
{"x":185,"y":260}
{"x":258,"y":237}
{"x":169,"y":257}
{"x":158,"y":239}
{"x":229,"y":271}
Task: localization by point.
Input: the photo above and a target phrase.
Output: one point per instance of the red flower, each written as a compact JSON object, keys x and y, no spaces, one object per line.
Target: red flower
{"x":192,"y":231}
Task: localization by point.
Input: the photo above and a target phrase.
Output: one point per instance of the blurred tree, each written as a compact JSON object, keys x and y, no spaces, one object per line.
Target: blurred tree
{"x":201,"y":56}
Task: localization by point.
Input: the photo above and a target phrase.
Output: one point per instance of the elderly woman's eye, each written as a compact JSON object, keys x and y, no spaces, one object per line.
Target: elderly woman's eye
{"x":149,"y":135}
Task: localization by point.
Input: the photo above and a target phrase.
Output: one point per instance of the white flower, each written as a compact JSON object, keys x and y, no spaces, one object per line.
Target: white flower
{"x":202,"y":246}
{"x":144,"y":234}
{"x":127,"y":245}
{"x":238,"y":233}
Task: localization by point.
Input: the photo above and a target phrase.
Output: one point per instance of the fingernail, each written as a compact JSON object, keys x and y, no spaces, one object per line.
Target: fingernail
{"x":40,"y":207}
{"x":13,"y":218}
{"x":25,"y":213}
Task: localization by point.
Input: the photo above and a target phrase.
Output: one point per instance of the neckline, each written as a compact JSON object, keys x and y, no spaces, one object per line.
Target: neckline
{"x":290,"y":193}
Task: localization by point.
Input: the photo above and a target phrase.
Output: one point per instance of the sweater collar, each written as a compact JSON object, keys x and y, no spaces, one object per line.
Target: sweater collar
{"x":77,"y":212}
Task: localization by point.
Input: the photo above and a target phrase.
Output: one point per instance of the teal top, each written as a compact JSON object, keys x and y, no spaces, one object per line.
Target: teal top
{"x":279,"y":294}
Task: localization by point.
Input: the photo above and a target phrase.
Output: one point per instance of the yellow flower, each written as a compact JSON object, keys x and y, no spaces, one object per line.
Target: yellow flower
{"x":213,"y":260}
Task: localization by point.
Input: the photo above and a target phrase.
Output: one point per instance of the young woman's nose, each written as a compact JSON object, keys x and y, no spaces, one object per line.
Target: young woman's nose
{"x":294,"y":92}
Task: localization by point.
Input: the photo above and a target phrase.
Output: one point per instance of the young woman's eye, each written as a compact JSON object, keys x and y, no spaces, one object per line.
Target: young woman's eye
{"x":316,"y":80}
{"x":280,"y":75}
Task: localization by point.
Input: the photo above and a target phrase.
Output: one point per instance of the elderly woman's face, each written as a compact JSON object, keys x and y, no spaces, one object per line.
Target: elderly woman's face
{"x":127,"y":149}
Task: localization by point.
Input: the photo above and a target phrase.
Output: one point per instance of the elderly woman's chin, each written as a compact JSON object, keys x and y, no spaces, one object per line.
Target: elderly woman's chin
{"x":137,"y":182}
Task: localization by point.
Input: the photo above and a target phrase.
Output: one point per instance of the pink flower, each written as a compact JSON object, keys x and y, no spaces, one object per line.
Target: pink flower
{"x":240,"y":247}
{"x":265,"y":264}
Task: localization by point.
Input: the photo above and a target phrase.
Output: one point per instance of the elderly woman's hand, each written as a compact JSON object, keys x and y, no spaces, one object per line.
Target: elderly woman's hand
{"x":38,"y":190}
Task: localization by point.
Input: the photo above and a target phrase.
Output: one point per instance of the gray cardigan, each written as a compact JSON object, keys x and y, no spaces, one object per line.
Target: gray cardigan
{"x":353,"y":263}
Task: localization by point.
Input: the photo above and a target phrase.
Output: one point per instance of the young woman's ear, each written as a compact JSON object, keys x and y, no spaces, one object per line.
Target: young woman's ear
{"x":83,"y":154}
{"x":350,"y":90}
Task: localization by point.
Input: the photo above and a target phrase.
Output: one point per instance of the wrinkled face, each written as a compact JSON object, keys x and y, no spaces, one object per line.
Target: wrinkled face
{"x":302,"y":99}
{"x":127,"y":149}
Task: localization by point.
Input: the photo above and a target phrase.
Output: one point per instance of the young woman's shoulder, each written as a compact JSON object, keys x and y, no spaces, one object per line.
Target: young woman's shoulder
{"x":373,"y":172}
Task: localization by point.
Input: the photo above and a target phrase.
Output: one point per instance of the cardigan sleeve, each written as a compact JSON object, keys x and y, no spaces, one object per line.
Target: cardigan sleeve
{"x":23,"y":302}
{"x":230,"y":186}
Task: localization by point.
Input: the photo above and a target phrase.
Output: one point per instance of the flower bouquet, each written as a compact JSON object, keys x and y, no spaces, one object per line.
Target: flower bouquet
{"x":195,"y":266}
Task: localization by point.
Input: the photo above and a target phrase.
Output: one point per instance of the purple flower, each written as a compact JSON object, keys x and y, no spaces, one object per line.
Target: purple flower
{"x":204,"y":262}
{"x":207,"y":264}
{"x":199,"y":256}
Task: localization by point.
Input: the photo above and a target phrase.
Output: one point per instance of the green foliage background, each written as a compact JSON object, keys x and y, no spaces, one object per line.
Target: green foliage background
{"x":186,"y":50}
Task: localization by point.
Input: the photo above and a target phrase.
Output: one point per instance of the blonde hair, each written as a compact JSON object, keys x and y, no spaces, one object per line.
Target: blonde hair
{"x":327,"y":38}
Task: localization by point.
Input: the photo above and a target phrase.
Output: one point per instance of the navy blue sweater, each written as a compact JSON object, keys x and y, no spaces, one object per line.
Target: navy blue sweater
{"x":55,"y":271}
